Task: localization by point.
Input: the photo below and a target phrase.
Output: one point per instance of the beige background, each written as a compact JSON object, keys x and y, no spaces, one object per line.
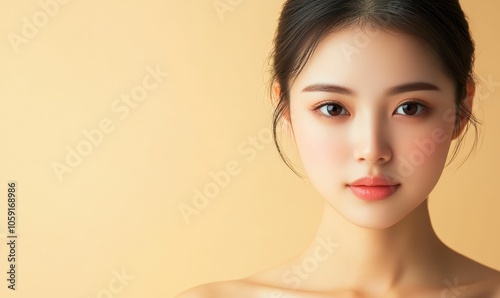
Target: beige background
{"x":119,"y":207}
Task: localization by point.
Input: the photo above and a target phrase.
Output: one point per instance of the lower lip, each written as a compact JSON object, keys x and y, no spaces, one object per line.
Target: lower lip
{"x":373,"y":193}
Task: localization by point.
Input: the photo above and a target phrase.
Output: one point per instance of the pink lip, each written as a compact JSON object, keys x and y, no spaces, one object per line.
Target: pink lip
{"x":373,"y":188}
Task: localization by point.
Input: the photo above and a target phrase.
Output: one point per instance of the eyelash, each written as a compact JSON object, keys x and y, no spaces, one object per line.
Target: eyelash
{"x":318,"y":106}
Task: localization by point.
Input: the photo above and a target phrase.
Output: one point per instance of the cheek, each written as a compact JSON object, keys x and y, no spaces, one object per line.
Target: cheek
{"x":423,"y":154}
{"x":322,"y":150}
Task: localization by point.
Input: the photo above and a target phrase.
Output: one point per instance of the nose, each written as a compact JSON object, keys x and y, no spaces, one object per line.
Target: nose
{"x":372,"y":141}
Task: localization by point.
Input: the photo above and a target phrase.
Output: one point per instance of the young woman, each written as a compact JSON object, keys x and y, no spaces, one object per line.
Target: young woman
{"x":373,"y":92}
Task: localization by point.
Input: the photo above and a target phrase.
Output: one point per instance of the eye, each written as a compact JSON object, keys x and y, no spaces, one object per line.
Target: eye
{"x":411,"y":108}
{"x":331,"y":109}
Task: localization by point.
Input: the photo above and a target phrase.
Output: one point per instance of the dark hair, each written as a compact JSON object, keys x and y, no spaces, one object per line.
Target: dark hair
{"x":441,"y":25}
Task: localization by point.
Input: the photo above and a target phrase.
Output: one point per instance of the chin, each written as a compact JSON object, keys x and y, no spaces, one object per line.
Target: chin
{"x":374,"y":223}
{"x":375,"y":215}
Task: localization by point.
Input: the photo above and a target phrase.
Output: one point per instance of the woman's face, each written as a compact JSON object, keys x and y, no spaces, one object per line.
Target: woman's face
{"x":375,"y":104}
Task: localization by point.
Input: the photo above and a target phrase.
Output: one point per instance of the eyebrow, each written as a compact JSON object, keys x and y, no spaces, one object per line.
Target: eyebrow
{"x":408,"y":87}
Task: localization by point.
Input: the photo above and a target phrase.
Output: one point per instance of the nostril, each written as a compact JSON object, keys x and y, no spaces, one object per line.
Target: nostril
{"x":374,"y":156}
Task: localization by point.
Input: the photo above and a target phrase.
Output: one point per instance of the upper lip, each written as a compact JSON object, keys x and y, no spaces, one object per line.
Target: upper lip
{"x":373,"y":181}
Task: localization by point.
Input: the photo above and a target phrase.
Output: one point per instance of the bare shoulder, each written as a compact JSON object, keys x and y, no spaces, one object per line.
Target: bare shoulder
{"x":223,"y":289}
{"x":494,"y":285}
{"x":196,"y":292}
{"x":202,"y":291}
{"x":477,"y":278}
{"x":489,"y":287}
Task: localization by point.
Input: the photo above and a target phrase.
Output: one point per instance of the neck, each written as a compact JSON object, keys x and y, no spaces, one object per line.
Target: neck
{"x":380,"y":259}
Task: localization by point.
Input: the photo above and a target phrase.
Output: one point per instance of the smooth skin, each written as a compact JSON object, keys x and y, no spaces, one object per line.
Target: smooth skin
{"x":371,"y":120}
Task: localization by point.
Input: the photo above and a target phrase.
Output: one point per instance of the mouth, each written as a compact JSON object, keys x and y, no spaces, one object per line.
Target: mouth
{"x":373,"y":188}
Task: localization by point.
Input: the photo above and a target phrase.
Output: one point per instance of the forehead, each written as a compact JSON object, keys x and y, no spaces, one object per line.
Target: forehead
{"x":371,"y":59}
